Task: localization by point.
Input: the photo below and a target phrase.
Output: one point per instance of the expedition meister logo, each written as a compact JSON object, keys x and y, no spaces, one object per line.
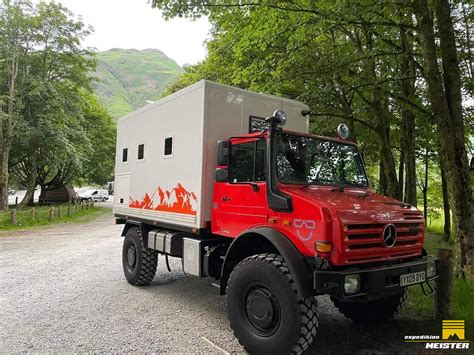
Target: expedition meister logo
{"x":453,"y":330}
{"x":452,"y":337}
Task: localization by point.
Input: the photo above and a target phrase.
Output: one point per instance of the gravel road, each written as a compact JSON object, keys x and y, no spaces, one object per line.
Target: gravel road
{"x":63,"y":290}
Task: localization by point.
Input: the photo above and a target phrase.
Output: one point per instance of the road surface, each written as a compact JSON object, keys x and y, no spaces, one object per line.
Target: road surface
{"x":62,"y":290}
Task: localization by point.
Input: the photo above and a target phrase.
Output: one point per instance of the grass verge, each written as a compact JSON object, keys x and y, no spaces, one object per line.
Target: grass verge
{"x":25,"y":220}
{"x":420,"y":306}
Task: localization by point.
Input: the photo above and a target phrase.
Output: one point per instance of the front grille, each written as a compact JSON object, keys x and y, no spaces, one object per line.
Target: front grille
{"x":413,"y":216}
{"x":370,"y":236}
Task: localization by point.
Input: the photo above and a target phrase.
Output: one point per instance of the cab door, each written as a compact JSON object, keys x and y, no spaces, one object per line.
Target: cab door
{"x":241,"y":203}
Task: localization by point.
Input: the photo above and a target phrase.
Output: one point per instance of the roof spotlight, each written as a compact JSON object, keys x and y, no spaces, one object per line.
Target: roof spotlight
{"x":343,"y":131}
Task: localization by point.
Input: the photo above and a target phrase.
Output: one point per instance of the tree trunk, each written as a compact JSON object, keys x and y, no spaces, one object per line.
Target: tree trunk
{"x":401,"y":170}
{"x":5,"y":174}
{"x":33,"y":174}
{"x":446,"y":208}
{"x":410,"y":171}
{"x":386,"y":155}
{"x":425,"y":188}
{"x":407,"y":86}
{"x":382,"y":178}
{"x":445,"y":97}
{"x":379,"y":106}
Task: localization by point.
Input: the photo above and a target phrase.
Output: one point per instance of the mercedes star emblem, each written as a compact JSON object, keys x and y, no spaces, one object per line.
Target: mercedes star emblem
{"x":389,"y":235}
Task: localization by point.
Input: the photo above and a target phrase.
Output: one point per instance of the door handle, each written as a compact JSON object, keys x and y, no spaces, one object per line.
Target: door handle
{"x":226,"y":198}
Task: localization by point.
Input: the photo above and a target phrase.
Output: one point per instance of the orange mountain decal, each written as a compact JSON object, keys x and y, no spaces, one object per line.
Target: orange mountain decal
{"x":178,"y":200}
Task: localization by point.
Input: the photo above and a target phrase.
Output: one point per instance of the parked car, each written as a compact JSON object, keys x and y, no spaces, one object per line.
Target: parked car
{"x":94,"y":195}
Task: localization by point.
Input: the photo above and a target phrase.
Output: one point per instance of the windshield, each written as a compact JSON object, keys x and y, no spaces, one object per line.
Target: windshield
{"x":307,"y":160}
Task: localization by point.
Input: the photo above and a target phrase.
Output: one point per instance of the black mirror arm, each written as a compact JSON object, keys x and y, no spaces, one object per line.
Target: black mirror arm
{"x":277,"y":200}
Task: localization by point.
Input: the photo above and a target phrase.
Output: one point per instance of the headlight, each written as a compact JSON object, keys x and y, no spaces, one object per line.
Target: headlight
{"x":431,"y":269}
{"x":352,"y":284}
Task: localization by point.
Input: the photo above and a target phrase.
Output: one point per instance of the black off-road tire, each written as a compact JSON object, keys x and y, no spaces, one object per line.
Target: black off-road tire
{"x":266,"y":311}
{"x":377,"y":311}
{"x":139,"y":268}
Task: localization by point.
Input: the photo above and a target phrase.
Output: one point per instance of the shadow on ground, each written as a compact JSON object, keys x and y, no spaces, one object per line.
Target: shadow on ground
{"x":336,"y":334}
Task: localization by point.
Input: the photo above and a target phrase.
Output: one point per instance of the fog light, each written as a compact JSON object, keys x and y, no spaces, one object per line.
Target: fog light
{"x":431,"y":269}
{"x":352,"y":284}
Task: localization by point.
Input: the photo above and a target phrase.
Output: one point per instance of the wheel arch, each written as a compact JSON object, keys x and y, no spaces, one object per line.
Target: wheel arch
{"x":268,"y":240}
{"x":144,"y":229}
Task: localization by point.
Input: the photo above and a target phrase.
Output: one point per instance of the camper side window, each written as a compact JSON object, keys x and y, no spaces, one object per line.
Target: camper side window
{"x":124,"y":155}
{"x":169,"y":146}
{"x":141,"y":151}
{"x":247,"y":162}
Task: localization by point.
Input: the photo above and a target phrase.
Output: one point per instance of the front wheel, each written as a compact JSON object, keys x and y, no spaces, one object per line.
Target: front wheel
{"x":373,"y":311}
{"x":265,"y":310}
{"x":139,"y":262}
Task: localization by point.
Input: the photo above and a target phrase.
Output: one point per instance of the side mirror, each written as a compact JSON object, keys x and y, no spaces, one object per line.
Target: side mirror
{"x":222,"y":175}
{"x":222,"y":153}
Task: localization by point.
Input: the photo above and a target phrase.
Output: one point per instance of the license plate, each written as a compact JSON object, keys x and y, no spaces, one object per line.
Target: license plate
{"x":411,"y":279}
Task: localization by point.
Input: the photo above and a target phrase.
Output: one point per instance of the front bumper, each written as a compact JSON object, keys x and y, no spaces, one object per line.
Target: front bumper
{"x":375,"y":282}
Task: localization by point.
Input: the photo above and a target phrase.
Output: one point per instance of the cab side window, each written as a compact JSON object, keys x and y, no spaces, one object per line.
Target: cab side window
{"x":247,"y":162}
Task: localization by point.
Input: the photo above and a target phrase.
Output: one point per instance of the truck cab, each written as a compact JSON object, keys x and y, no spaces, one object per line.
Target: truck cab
{"x":292,"y":216}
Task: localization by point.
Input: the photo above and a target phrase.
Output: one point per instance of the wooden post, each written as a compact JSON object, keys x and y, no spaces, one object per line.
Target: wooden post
{"x":33,"y":212}
{"x":51,"y":214}
{"x":13,"y":217}
{"x":69,"y":211}
{"x":444,"y":284}
{"x":60,"y":212}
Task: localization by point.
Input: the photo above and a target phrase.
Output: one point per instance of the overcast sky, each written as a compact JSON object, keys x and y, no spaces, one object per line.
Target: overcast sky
{"x":134,"y":24}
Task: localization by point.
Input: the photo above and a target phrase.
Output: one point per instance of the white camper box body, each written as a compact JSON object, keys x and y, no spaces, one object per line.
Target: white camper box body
{"x":176,"y":189}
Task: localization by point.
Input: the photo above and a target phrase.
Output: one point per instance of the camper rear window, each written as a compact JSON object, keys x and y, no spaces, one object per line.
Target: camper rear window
{"x":141,"y":151}
{"x":125,"y":154}
{"x":169,"y":146}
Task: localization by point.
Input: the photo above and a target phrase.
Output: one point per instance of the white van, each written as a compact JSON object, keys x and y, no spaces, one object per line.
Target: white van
{"x":94,"y":195}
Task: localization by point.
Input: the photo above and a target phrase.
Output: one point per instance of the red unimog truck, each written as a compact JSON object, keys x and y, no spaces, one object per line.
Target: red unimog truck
{"x":277,"y":215}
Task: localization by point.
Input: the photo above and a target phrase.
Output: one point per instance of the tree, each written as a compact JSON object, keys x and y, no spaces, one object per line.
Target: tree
{"x":101,"y":133}
{"x":58,"y":71}
{"x":444,"y":89}
{"x":370,"y":64}
{"x":53,"y":130}
{"x":15,"y":39}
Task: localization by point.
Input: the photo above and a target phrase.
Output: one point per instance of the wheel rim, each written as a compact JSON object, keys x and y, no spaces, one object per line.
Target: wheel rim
{"x":262,"y":310}
{"x":131,"y":257}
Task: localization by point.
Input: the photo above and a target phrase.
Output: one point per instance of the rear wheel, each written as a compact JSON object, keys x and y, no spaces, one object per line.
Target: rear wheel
{"x":139,"y":263}
{"x":373,"y":311}
{"x":265,"y":310}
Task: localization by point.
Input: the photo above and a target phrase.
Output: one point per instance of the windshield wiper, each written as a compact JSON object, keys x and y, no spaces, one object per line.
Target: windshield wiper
{"x":335,"y":187}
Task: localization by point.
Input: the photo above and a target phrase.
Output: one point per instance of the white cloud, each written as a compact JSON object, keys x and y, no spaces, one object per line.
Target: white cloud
{"x":134,"y":24}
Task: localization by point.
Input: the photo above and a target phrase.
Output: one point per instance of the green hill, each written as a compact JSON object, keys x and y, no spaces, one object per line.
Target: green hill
{"x":127,"y":78}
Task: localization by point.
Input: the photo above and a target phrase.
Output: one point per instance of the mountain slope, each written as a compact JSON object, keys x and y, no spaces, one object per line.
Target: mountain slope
{"x":127,"y":78}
